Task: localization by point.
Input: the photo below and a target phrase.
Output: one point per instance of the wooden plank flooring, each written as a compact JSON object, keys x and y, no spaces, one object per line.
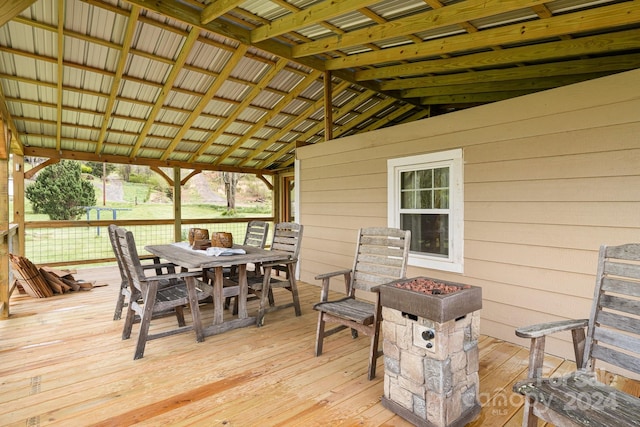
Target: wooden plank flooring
{"x":63,"y":362}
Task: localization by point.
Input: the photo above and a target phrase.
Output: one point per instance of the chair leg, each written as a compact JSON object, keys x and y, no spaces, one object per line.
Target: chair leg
{"x":128,"y":323}
{"x":117,"y":315}
{"x":294,"y":289}
{"x":373,"y":351}
{"x":180,"y":316}
{"x":149,"y":302}
{"x":320,"y":334}
{"x":528,"y":419}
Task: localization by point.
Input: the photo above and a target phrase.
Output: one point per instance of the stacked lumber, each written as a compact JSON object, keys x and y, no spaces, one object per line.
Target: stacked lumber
{"x":44,"y":282}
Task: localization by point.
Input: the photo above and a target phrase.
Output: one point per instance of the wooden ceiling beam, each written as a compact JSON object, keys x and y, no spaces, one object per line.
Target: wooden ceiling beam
{"x":312,"y":15}
{"x":500,"y":86}
{"x":318,"y":127}
{"x":52,"y":153}
{"x":217,"y":8}
{"x":388,"y":118}
{"x":205,"y":99}
{"x":313,"y":76}
{"x":342,"y":129}
{"x":264,"y":81}
{"x":586,"y":20}
{"x":16,"y":142}
{"x":599,"y":44}
{"x":592,"y":65}
{"x":473,"y":98}
{"x":292,"y":124}
{"x":117,"y":78}
{"x":12,"y":8}
{"x":168,"y":84}
{"x":454,"y":14}
{"x":60,"y":71}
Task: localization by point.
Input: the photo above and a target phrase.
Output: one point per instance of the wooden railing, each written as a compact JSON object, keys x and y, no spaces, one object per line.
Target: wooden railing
{"x":57,"y":243}
{"x":69,"y":243}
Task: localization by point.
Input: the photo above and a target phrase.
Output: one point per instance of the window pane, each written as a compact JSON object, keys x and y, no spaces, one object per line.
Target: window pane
{"x":408,"y":180}
{"x":424,"y":199}
{"x":441,"y":199}
{"x":408,"y":200}
{"x":429,"y":233}
{"x":425,"y":178}
{"x":441,"y":177}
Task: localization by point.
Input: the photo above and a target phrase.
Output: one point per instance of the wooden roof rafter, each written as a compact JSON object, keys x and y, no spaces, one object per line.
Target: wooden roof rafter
{"x":314,"y":75}
{"x":215,"y":86}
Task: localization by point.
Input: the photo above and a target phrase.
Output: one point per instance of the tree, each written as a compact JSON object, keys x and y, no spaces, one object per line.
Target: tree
{"x":60,"y":191}
{"x":230,"y":185}
{"x":97,"y":168}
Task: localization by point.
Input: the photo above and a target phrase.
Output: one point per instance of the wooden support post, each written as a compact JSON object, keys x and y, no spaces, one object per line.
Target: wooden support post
{"x":18,"y":201}
{"x":5,"y":286}
{"x":177,"y":204}
{"x":328,"y":107}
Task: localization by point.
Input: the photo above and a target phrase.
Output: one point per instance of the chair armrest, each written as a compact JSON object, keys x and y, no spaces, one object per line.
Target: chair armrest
{"x":538,"y":333}
{"x":171,"y":276}
{"x":280,"y":262}
{"x":543,"y":329}
{"x":332,"y":274}
{"x":324,"y":293}
{"x":156,"y":266}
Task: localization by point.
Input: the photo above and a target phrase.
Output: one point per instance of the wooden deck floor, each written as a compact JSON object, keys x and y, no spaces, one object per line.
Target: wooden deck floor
{"x":63,"y":363}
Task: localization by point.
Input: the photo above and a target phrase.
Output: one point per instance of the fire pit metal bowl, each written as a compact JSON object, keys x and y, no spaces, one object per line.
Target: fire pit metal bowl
{"x":440,"y":303}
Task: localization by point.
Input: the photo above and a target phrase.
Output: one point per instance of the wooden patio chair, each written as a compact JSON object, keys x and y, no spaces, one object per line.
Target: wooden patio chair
{"x":612,"y":336}
{"x":381,"y":257}
{"x":124,"y":294}
{"x":287,"y":237}
{"x":256,"y":236}
{"x":147,"y":299}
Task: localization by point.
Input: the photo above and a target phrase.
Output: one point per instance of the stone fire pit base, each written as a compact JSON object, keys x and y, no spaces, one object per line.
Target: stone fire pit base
{"x":436,"y":386}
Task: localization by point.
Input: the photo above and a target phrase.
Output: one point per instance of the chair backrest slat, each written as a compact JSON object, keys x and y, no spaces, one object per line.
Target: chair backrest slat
{"x":287,"y":237}
{"x":613,"y":334}
{"x":130,"y":257}
{"x":381,"y":257}
{"x":256,"y":234}
{"x":116,"y":251}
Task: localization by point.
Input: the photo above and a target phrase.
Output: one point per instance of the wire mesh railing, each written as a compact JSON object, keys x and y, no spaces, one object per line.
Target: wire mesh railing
{"x":87,"y":242}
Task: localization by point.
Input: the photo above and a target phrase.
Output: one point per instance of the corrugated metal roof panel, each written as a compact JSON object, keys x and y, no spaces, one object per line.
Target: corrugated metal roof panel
{"x":250,"y":70}
{"x":504,"y":18}
{"x":265,"y":9}
{"x":252,"y":115}
{"x":181,"y":100}
{"x":233,"y":91}
{"x":267,"y":99}
{"x":217,"y":107}
{"x":146,"y":69}
{"x":394,"y":9}
{"x":208,"y":57}
{"x":193,"y":81}
{"x":286,"y":81}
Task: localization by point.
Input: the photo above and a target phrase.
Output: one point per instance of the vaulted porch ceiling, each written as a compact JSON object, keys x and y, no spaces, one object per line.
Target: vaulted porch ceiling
{"x":239,"y":84}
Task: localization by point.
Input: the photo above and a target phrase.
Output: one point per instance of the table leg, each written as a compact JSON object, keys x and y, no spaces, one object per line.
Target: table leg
{"x":195,"y":309}
{"x":243,"y":291}
{"x":218,"y":296}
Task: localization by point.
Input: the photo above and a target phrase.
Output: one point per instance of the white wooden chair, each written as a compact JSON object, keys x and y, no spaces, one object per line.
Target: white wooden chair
{"x":381,"y":257}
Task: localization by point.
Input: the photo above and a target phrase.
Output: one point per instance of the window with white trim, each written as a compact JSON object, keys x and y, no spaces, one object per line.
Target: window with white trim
{"x":425,"y":196}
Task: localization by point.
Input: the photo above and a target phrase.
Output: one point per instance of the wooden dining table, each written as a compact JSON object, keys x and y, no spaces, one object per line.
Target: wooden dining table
{"x":181,"y":255}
